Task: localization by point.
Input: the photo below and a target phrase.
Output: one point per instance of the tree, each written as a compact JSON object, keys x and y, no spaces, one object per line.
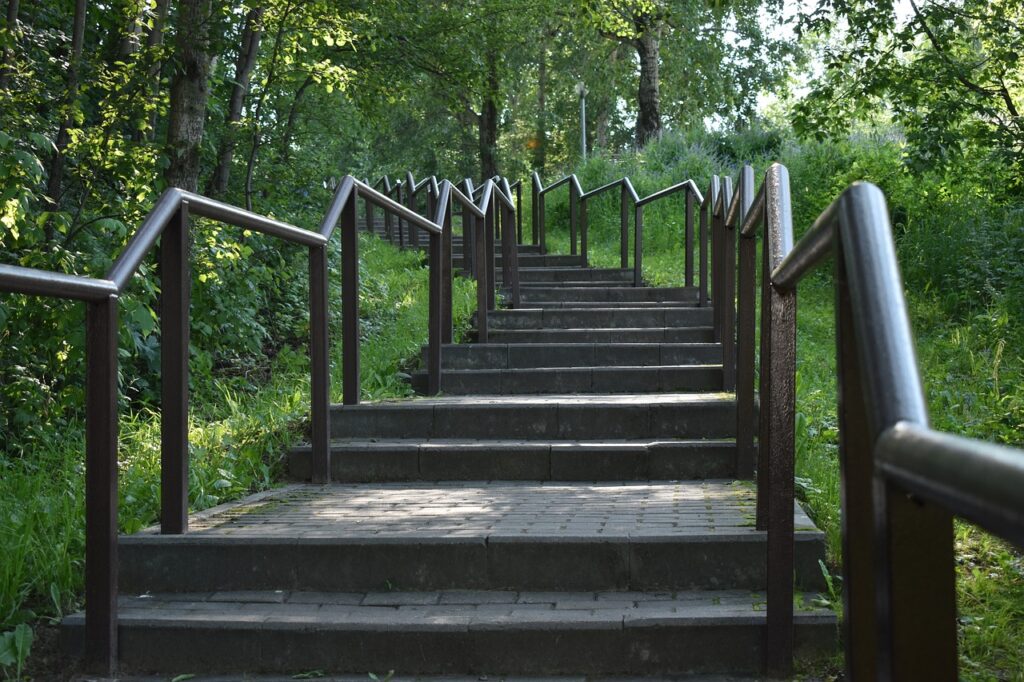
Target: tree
{"x":949,"y":73}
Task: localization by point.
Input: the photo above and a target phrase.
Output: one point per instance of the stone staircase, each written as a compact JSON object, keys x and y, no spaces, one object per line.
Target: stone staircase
{"x":567,"y":506}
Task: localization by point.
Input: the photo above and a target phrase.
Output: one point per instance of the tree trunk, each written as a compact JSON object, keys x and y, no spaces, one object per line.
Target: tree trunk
{"x":7,"y":56}
{"x":190,"y":90}
{"x":540,"y":149}
{"x":56,"y":177}
{"x":605,"y":107}
{"x":293,"y":116}
{"x":489,"y":121}
{"x":247,"y":53}
{"x":648,"y":120}
{"x":154,"y":40}
{"x":250,"y":167}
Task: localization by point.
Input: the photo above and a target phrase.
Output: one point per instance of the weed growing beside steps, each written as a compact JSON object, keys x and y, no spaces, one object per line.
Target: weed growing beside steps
{"x":239,"y":432}
{"x":960,"y":245}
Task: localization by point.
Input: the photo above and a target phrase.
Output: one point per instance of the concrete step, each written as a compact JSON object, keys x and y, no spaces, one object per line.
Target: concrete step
{"x":599,"y":318}
{"x":554,"y":417}
{"x":527,"y":260}
{"x":562,"y":293}
{"x":551,"y":305}
{"x":577,"y":284}
{"x":448,"y":633}
{"x":574,"y":274}
{"x":654,"y":379}
{"x":670,"y":535}
{"x":591,"y":335}
{"x":533,"y":355}
{"x":447,"y":459}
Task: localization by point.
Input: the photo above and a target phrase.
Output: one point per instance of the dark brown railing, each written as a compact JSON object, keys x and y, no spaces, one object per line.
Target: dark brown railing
{"x":902,"y":482}
{"x":579,"y":222}
{"x":168,"y":222}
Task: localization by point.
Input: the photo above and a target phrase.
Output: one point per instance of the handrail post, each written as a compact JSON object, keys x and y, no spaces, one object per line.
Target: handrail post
{"x":175,"y":293}
{"x":638,"y":245}
{"x":728,"y":300}
{"x":535,"y":209}
{"x":779,"y":442}
{"x":519,"y":213}
{"x":101,"y":486}
{"x":509,"y":257}
{"x":488,"y":261}
{"x":584,"y":229}
{"x":369,"y":216}
{"x":387,"y":214}
{"x":623,"y":228}
{"x":574,"y":198}
{"x":482,"y":283}
{"x":856,"y":480}
{"x":401,"y":222}
{"x":688,"y":281}
{"x":447,"y":274}
{"x":434,"y":314}
{"x":319,"y":366}
{"x":745,"y":355}
{"x":414,"y":234}
{"x":542,"y":219}
{"x":469,"y":251}
{"x":702,"y":245}
{"x":350,"y":302}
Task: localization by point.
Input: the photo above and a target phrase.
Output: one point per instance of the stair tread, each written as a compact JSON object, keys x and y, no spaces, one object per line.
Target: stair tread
{"x":454,"y":609}
{"x":476,"y":443}
{"x":457,"y":512}
{"x":594,"y":399}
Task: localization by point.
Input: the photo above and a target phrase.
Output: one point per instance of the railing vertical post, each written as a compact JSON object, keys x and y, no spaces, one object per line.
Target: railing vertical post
{"x":638,"y":245}
{"x":728,"y":302}
{"x":414,"y":234}
{"x":387,"y":214}
{"x":350,"y":302}
{"x":542,"y":219}
{"x":574,"y":198}
{"x":482,"y":280}
{"x":319,"y":366}
{"x":101,"y":486}
{"x":434,"y":315}
{"x":369,"y":216}
{"x":401,"y":222}
{"x":519,"y":213}
{"x":447,"y":274}
{"x":688,"y":281}
{"x":745,"y":358}
{"x":856,"y":476}
{"x":488,"y":261}
{"x":780,"y":368}
{"x":702,"y":245}
{"x":468,"y":233}
{"x":623,"y":228}
{"x":535,"y":208}
{"x":509,"y":259}
{"x":584,"y":229}
{"x":175,"y":294}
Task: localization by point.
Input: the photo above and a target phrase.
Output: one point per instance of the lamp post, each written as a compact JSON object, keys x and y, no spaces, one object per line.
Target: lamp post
{"x":581,"y":90}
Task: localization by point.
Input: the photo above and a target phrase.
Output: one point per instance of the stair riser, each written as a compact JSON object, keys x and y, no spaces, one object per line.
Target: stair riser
{"x":528,"y":461}
{"x":576,"y":380}
{"x":618,"y":294}
{"x":572,"y":274}
{"x":711,"y":419}
{"x":583,"y":318}
{"x":670,"y":335}
{"x":583,"y":648}
{"x":525,"y":356}
{"x":513,"y":562}
{"x":527,"y":260}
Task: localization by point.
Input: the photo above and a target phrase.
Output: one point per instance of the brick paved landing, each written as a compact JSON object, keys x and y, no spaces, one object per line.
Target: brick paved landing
{"x":609,"y":510}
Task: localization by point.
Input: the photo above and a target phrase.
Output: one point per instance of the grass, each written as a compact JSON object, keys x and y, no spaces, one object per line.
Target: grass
{"x":239,"y":434}
{"x":968,"y":350}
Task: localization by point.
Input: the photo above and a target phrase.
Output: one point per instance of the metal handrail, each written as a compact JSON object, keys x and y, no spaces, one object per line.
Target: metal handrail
{"x":168,"y":221}
{"x":902,"y":480}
